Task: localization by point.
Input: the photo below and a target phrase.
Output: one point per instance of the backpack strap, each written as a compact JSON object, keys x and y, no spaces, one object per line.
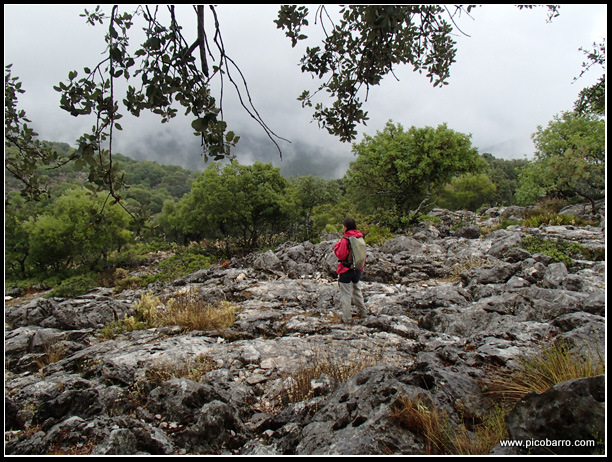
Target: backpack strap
{"x":346,"y":263}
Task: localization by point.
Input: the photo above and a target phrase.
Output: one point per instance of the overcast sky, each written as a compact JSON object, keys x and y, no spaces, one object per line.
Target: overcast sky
{"x":513,"y":73}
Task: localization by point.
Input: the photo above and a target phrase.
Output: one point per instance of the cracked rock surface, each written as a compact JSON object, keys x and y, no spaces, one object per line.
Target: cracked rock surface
{"x":436,"y":328}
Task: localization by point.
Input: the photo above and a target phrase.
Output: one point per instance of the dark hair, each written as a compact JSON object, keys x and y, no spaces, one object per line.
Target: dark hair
{"x":349,"y":223}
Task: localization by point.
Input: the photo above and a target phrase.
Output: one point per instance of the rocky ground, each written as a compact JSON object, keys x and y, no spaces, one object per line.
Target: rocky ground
{"x":446,"y":310}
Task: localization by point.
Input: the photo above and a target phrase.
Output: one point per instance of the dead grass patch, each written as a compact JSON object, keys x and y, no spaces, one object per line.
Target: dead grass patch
{"x":554,"y":364}
{"x":53,"y":353}
{"x":466,"y":265}
{"x":194,"y":370}
{"x":423,"y":418}
{"x":186,"y":309}
{"x":330,"y":363}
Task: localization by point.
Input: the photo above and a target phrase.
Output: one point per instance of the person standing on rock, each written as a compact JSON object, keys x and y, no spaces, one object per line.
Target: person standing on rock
{"x":350,"y":251}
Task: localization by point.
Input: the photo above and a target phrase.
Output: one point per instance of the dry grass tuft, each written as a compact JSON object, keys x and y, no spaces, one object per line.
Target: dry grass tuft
{"x":538,"y":372}
{"x":53,"y":353}
{"x":424,"y":419}
{"x":193,"y":370}
{"x":331,"y":364}
{"x":466,"y":265}
{"x":185,"y":309}
{"x":554,"y":364}
{"x":190,"y":311}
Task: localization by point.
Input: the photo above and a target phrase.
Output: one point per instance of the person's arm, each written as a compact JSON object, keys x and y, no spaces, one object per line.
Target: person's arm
{"x":341,"y":249}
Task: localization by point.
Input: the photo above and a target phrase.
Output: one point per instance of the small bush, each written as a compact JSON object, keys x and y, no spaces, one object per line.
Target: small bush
{"x":74,"y":286}
{"x":377,"y":235}
{"x":128,"y":324}
{"x":505,"y":223}
{"x":430,"y":219}
{"x":552,"y":219}
{"x":559,"y":250}
{"x":547,"y":213}
{"x":185,"y":261}
{"x":128,"y":282}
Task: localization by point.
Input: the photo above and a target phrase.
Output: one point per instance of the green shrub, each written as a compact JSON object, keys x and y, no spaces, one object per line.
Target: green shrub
{"x":506,"y":222}
{"x":127,"y":324}
{"x":185,"y":261}
{"x":128,"y":282}
{"x":74,"y":286}
{"x":430,"y":218}
{"x":559,"y":250}
{"x":377,"y":235}
{"x":552,"y":218}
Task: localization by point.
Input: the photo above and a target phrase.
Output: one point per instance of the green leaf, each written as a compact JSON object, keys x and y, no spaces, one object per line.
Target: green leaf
{"x":199,"y":125}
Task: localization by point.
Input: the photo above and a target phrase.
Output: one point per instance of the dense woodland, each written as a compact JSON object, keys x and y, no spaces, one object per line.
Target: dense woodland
{"x":227,"y":209}
{"x":76,"y":237}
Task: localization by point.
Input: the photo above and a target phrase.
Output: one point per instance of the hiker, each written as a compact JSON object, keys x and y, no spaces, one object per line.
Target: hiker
{"x":348,"y":274}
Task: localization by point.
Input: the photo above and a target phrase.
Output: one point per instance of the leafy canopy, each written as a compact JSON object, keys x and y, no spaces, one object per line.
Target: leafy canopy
{"x":24,"y":154}
{"x":363,"y":47}
{"x":366,"y":44}
{"x":72,"y":231}
{"x":398,"y":170}
{"x":569,"y":161}
{"x":593,"y":99}
{"x":240,"y":202}
{"x":468,"y":192}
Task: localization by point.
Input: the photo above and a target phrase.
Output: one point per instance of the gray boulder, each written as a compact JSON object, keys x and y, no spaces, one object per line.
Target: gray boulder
{"x":568,"y":419}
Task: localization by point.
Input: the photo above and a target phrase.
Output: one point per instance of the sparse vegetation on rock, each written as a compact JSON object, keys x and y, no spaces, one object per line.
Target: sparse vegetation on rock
{"x":452,"y":311}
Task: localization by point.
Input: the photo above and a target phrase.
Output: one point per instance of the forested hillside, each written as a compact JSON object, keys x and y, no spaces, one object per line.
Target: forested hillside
{"x":77,"y":236}
{"x":150,"y":183}
{"x":77,"y":218}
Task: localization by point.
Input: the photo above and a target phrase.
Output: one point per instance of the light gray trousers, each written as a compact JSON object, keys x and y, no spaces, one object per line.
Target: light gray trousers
{"x":351,"y":292}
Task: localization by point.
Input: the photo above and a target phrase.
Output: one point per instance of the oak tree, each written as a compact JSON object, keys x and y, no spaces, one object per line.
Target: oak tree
{"x":398,"y":170}
{"x":570,"y":160}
